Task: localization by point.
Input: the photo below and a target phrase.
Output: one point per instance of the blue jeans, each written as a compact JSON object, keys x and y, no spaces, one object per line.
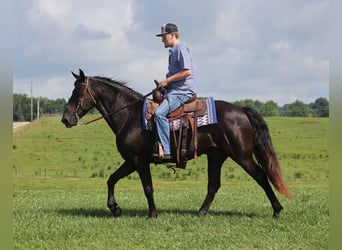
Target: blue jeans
{"x":163,"y":126}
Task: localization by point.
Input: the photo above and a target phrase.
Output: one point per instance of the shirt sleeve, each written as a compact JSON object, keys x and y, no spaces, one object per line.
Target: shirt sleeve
{"x":184,"y":58}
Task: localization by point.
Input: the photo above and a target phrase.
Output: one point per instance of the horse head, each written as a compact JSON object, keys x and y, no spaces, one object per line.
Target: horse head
{"x":80,"y":102}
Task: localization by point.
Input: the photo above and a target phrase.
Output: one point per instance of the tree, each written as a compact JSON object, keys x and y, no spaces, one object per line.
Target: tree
{"x":321,"y":107}
{"x":22,"y":107}
{"x":270,"y":108}
{"x":246,"y":103}
{"x":297,"y":108}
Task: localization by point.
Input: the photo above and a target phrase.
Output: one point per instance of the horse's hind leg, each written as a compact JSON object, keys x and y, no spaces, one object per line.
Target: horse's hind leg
{"x":124,"y":170}
{"x":215,"y":160}
{"x":260,"y":177}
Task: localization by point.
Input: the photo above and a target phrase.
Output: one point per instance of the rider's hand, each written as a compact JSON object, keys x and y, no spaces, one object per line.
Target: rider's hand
{"x":163,"y":84}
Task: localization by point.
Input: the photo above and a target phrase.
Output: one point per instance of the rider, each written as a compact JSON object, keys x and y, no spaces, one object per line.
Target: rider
{"x":179,"y":82}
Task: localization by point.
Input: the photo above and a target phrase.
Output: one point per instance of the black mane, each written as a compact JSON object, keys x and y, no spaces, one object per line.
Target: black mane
{"x":119,"y":83}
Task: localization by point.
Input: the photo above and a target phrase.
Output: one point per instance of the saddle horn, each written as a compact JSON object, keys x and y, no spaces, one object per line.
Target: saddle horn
{"x":157,"y":83}
{"x":156,"y":93}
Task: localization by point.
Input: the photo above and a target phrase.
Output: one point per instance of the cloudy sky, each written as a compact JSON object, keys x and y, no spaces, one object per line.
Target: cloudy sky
{"x":244,"y":49}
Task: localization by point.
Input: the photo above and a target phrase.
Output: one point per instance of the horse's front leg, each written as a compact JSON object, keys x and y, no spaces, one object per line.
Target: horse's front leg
{"x":124,"y":170}
{"x":146,"y":180}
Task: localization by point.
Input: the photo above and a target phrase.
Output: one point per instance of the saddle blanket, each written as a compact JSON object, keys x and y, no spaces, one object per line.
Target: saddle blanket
{"x":209,"y":118}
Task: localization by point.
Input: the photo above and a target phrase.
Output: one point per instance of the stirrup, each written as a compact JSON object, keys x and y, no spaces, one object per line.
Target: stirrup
{"x":158,"y":151}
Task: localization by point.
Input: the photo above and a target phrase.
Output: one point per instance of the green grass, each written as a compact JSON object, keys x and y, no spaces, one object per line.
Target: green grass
{"x":59,"y":196}
{"x":240,"y":218}
{"x":302,"y":146}
{"x":49,"y":149}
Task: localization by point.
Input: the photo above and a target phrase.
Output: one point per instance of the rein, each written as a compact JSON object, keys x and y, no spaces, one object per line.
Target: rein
{"x":93,"y":99}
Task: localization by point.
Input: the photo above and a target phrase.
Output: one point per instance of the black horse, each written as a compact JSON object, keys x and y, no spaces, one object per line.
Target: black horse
{"x":239,"y":133}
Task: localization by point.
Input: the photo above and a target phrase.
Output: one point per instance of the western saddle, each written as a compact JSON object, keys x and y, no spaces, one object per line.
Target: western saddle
{"x":187,"y":114}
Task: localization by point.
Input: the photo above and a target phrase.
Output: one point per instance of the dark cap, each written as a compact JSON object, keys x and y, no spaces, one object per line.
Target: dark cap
{"x":168,"y":28}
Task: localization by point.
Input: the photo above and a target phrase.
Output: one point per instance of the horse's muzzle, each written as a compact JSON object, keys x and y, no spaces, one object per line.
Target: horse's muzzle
{"x":67,"y":122}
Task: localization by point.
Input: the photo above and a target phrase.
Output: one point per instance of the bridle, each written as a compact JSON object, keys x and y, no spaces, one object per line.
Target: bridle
{"x":81,"y":100}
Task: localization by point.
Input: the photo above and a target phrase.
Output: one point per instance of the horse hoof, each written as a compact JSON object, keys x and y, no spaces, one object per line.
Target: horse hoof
{"x":276,"y":212}
{"x":116,"y":211}
{"x":152,"y":215}
{"x":276,"y":215}
{"x":202,"y":213}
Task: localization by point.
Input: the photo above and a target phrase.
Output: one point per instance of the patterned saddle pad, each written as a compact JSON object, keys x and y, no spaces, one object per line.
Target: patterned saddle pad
{"x":209,"y":118}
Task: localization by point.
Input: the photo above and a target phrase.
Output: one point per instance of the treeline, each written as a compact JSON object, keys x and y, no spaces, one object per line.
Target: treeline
{"x":22,"y":107}
{"x":319,"y":108}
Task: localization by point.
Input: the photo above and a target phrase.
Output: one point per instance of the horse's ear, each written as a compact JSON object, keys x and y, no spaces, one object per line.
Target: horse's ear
{"x":82,"y":76}
{"x":76,"y":76}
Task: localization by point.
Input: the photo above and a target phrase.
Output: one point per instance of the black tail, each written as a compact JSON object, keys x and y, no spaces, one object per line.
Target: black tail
{"x":264,"y":151}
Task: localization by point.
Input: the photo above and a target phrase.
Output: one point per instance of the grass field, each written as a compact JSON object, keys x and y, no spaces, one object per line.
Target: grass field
{"x":59,"y":199}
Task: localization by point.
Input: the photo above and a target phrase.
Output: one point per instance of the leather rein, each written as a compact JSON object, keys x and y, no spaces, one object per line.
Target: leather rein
{"x":87,"y":90}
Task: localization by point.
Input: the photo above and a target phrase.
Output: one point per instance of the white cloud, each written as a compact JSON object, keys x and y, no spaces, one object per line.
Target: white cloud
{"x":234,"y":28}
{"x":50,"y":87}
{"x":280,"y":46}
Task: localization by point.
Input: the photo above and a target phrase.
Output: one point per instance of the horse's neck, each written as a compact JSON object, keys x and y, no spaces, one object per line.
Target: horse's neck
{"x":115,"y":107}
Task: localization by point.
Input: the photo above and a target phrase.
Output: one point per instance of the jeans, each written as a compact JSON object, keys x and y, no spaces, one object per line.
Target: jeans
{"x":163,"y":126}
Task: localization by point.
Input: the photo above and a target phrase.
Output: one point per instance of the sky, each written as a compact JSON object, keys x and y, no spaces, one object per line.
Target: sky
{"x":244,"y":49}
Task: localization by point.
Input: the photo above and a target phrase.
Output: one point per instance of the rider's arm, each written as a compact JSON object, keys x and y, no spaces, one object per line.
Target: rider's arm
{"x":184,"y":73}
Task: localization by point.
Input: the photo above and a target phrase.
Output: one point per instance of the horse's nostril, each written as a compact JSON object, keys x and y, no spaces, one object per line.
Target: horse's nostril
{"x":65,"y":121}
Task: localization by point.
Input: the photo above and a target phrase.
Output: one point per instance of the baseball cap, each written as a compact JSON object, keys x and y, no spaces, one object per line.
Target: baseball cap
{"x":168,"y":28}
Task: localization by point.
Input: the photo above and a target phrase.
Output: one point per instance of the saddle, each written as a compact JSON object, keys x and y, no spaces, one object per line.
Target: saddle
{"x":187,"y":115}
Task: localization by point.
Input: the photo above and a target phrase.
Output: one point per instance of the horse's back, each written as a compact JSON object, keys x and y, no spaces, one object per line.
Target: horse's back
{"x":233,"y":132}
{"x":229,"y":114}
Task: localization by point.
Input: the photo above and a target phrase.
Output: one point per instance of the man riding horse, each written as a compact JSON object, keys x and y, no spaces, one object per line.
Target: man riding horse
{"x":240,"y":133}
{"x":179,"y":84}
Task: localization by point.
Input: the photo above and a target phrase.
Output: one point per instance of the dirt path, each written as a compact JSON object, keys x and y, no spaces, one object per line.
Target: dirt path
{"x":19,"y":124}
